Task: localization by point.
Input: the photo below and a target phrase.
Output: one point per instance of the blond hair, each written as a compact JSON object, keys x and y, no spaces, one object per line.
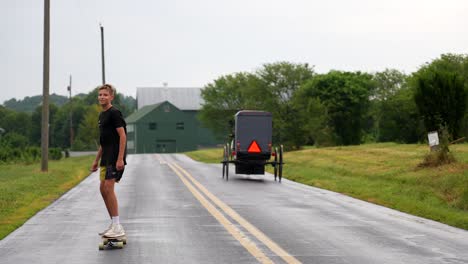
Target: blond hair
{"x":109,"y":88}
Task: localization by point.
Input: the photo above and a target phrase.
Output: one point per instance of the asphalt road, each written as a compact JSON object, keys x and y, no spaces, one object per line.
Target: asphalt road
{"x":176,"y":210}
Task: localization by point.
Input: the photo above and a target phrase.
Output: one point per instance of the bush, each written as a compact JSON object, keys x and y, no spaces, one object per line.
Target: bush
{"x":14,"y":140}
{"x":4,"y":154}
{"x":441,"y":155}
{"x":27,"y":155}
{"x":55,"y":153}
{"x":34,"y":152}
{"x":79,"y":145}
{"x":437,"y":158}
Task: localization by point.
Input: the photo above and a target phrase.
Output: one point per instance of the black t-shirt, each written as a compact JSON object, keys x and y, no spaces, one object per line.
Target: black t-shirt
{"x":109,"y":121}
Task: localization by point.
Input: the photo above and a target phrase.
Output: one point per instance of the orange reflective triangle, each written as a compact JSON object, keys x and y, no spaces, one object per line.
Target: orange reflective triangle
{"x":254,"y":148}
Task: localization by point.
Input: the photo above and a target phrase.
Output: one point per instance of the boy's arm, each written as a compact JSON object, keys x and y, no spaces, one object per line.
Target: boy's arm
{"x":94,"y":167}
{"x":122,"y":142}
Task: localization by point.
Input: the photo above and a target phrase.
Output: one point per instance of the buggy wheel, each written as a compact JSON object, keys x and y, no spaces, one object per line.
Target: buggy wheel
{"x":226,"y":161}
{"x":223,"y":161}
{"x":227,"y":171}
{"x":275,"y":166}
{"x":280,"y":169}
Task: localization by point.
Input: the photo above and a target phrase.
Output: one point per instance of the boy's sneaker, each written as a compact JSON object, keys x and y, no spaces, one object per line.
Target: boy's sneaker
{"x":105,"y":231}
{"x":115,"y":231}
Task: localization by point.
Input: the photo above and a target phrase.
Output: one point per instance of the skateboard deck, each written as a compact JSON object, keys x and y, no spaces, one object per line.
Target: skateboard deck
{"x":112,"y":242}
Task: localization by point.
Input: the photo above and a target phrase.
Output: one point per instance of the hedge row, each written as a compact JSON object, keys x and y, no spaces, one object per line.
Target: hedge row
{"x":27,"y":154}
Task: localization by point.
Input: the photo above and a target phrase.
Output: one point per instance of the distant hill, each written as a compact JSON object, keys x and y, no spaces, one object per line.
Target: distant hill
{"x":29,"y":104}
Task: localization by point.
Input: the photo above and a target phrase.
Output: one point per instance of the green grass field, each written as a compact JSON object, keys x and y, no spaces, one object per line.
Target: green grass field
{"x":24,"y":189}
{"x":385,"y":174}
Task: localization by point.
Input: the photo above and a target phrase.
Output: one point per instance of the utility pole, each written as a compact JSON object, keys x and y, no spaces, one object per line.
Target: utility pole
{"x":45,"y":91}
{"x":69,"y":88}
{"x":102,"y":55}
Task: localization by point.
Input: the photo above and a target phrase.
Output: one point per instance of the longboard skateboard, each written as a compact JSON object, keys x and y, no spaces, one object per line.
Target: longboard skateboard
{"x":112,"y":242}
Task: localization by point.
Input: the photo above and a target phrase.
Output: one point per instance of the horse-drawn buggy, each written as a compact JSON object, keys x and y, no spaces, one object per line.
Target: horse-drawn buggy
{"x":251,"y":148}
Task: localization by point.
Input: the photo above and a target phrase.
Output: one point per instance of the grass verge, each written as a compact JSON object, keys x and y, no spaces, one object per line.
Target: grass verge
{"x":25,"y":190}
{"x":207,"y":155}
{"x":385,"y":174}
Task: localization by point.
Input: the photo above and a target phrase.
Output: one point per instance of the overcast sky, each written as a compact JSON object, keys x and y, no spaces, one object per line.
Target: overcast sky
{"x":188,"y":43}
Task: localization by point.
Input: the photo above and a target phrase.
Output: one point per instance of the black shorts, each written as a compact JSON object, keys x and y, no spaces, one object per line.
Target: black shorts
{"x":110,"y":172}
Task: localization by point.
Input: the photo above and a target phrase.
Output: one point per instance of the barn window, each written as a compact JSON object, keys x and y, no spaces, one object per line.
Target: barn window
{"x":152,"y":126}
{"x":180,"y":126}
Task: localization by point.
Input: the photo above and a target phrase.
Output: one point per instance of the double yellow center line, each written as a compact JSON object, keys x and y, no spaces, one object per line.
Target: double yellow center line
{"x":197,"y":189}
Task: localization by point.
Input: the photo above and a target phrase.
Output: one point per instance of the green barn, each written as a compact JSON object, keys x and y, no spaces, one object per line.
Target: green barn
{"x":165,"y":128}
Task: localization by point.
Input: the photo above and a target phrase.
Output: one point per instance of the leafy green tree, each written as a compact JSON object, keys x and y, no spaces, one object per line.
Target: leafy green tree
{"x":314,"y":118}
{"x":15,"y":122}
{"x":29,"y":125}
{"x":388,"y":84}
{"x":92,"y":97}
{"x":61,"y":121}
{"x":278,"y":84}
{"x":283,"y":79}
{"x":270,"y":88}
{"x":399,"y":120}
{"x":130,"y":104}
{"x":36,"y":125}
{"x":441,"y":93}
{"x":224,"y":97}
{"x":346,"y":98}
{"x":88,"y":131}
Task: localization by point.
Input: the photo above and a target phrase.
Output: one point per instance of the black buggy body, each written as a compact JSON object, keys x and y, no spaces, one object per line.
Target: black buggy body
{"x":252,"y":142}
{"x":251,"y":148}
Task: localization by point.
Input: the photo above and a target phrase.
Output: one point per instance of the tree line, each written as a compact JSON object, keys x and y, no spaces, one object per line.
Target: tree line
{"x":308,"y":108}
{"x":20,"y":131}
{"x":345,"y":108}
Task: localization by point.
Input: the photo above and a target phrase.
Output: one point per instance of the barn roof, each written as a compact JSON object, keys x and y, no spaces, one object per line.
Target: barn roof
{"x":182,"y":98}
{"x":135,"y":116}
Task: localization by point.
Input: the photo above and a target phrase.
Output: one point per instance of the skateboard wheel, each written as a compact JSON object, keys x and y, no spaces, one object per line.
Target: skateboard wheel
{"x":120,"y":244}
{"x":105,"y":241}
{"x":101,"y":246}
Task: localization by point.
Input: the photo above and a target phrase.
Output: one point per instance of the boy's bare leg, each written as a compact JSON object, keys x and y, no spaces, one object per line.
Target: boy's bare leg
{"x":111,"y":198}
{"x":104,"y":197}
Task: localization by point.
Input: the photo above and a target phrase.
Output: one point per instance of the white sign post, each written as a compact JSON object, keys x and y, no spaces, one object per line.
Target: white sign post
{"x":433,"y":138}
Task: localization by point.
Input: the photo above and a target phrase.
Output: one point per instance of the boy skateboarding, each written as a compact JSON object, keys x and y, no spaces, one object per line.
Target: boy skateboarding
{"x":111,"y":156}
